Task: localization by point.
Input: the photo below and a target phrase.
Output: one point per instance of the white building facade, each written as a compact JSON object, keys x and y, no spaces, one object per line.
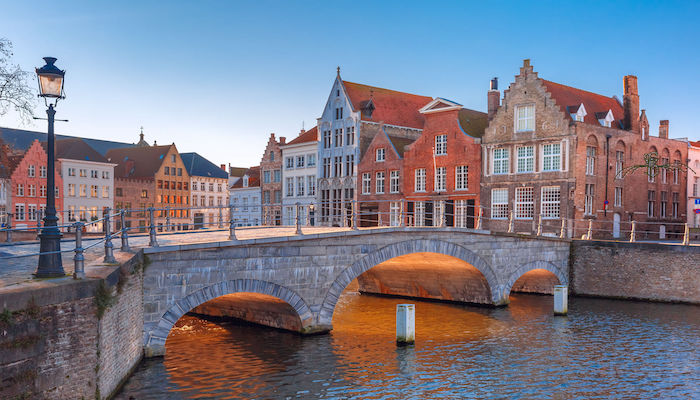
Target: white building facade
{"x":209,"y":191}
{"x":88,"y":188}
{"x":693,"y":211}
{"x":299,"y":163}
{"x":245,"y":198}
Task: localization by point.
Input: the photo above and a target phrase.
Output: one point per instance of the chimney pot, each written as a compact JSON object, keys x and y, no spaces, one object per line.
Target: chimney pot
{"x":283,"y":140}
{"x":494,"y":83}
{"x":223,"y":167}
{"x":493,"y":98}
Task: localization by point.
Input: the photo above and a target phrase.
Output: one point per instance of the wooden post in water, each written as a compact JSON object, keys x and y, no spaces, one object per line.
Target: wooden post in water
{"x":561,"y":300}
{"x":405,"y":324}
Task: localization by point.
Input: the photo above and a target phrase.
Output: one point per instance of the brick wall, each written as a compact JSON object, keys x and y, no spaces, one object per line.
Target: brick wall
{"x":645,"y":271}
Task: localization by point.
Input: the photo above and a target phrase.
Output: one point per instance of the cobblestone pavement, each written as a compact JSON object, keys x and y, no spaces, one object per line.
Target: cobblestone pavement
{"x":19,"y":269}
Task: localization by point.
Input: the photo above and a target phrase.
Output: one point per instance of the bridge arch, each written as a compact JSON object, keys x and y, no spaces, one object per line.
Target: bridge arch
{"x":403,"y":248}
{"x":155,"y":338}
{"x":522,"y":269}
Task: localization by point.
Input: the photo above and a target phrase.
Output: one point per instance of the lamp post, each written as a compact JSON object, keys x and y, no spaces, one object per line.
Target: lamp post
{"x":50,"y":87}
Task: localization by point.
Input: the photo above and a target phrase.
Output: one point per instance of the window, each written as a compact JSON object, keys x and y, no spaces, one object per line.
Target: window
{"x":589,"y":194}
{"x":366,"y":183}
{"x":526,"y":159}
{"x":144,"y":192}
{"x":311,"y":160}
{"x":664,"y":202}
{"x":300,"y":161}
{"x":203,"y":186}
{"x":83,"y":173}
{"x":105,"y":174}
{"x":696,"y":186}
{"x":651,"y":199}
{"x":118,"y":192}
{"x":278,"y":196}
{"x":551,"y":157}
{"x":461,"y":211}
{"x":179,"y":172}
{"x":394,"y":213}
{"x":380,"y":154}
{"x":31,"y":212}
{"x":338,"y":166}
{"x":618,"y":196}
{"x":524,"y":203}
{"x":20,"y":189}
{"x":167,"y":185}
{"x":266,"y":177}
{"x":550,"y":202}
{"x":525,"y":118}
{"x":166,"y":170}
{"x":278,"y":175}
{"x":71,"y":213}
{"x":290,"y":187}
{"x":83,"y":190}
{"x":461,"y":177}
{"x":420,"y":214}
{"x":664,"y":161}
{"x":272,"y":156}
{"x":71,"y":171}
{"x":93,"y":191}
{"x":218,"y":187}
{"x":350,"y":136}
{"x":93,"y":174}
{"x":311,"y":183}
{"x":211,"y":187}
{"x":338,"y":138}
{"x":42,"y":190}
{"x":500,"y":161}
{"x":31,"y":171}
{"x":674,"y":210}
{"x":499,"y":203}
{"x":419,"y":184}
{"x":19,"y":212}
{"x":326,"y":139}
{"x":300,"y":185}
{"x":440,"y":145}
{"x":326,"y":167}
{"x":651,"y":175}
{"x":349,"y":165}
{"x":31,"y":190}
{"x":203,"y":200}
{"x":379,"y":183}
{"x":289,"y":162}
{"x":394,"y":181}
{"x":675,"y":173}
{"x":590,"y":160}
{"x":440,"y":179}
{"x":172,"y":158}
{"x":339,"y":113}
{"x":194,"y":200}
{"x":619,"y":163}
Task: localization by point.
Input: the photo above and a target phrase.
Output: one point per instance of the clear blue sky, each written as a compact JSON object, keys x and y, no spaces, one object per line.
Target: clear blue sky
{"x":216,"y":77}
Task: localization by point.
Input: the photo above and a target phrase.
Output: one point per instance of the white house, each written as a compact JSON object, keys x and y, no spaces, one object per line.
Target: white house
{"x":209,"y":190}
{"x":88,"y":182}
{"x":299,"y":178}
{"x":244,"y":196}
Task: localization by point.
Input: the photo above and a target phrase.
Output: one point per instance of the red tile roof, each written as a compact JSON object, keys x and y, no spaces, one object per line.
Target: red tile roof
{"x":594,"y":103}
{"x":695,"y":144}
{"x":391,"y":107}
{"x":309,"y":136}
{"x":137,"y":162}
{"x":253,"y":178}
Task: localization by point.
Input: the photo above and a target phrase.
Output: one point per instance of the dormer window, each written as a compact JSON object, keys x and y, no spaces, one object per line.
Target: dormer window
{"x":380,"y":154}
{"x":367,"y":109}
{"x":577,"y":112}
{"x":605,"y":118}
{"x":245,"y":181}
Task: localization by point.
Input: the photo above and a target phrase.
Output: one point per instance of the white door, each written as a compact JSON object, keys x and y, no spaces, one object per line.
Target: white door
{"x":616,"y":225}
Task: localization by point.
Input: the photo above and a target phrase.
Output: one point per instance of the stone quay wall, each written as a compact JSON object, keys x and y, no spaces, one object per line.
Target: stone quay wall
{"x":642,"y":271}
{"x":66,"y":339}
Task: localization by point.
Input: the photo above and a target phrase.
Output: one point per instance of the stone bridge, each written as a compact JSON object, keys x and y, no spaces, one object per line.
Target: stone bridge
{"x":310,"y":272}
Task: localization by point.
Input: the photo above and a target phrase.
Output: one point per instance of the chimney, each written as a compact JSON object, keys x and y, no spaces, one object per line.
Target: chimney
{"x":223,"y":167}
{"x":630,"y":103}
{"x":663,"y":129}
{"x":494,"y":98}
{"x":283,"y":140}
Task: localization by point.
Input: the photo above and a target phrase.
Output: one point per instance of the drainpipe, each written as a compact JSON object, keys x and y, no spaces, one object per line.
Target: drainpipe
{"x":607,"y":170}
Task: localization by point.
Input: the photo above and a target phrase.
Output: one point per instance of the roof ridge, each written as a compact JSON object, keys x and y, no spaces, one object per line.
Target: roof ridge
{"x":388,"y":90}
{"x":579,"y":89}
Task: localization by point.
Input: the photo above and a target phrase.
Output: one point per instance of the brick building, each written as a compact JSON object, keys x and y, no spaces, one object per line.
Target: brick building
{"x":560,"y":152}
{"x":271,"y":182}
{"x":443,"y":166}
{"x":693,"y":178}
{"x":380,"y":191}
{"x":350,"y":120}
{"x":152,"y":176}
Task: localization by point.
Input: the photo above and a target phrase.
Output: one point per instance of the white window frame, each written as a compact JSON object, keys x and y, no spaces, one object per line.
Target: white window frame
{"x":500,"y":164}
{"x":441,"y":145}
{"x":419,"y":213}
{"x":499,"y":203}
{"x":462,"y":177}
{"x":366,"y":183}
{"x":589,"y":199}
{"x":394,"y":213}
{"x":525,"y":159}
{"x":440,"y":179}
{"x":394,"y":181}
{"x":380,"y":155}
{"x":550,"y":202}
{"x":379,"y":182}
{"x":524,"y":202}
{"x":618,"y":196}
{"x":290,"y":187}
{"x":419,"y":180}
{"x":525,"y":122}
{"x":551,"y":161}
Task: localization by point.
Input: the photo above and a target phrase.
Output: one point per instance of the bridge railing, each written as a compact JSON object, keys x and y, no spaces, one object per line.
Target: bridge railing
{"x":152,"y":221}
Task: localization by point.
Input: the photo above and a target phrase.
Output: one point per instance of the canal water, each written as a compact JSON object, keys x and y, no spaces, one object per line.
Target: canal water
{"x":603,"y":349}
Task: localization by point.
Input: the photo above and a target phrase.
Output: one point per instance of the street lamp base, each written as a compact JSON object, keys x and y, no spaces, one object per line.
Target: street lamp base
{"x":51,"y":264}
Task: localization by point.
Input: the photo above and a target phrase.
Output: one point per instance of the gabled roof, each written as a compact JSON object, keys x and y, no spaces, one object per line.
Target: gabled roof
{"x":391,"y":107}
{"x":236,"y":171}
{"x":197,"y":165}
{"x":253,"y":179}
{"x":472,"y":122}
{"x":309,"y":136}
{"x":399,"y":143}
{"x":76,"y":149}
{"x":440,"y":104}
{"x":594,"y":103}
{"x":20,"y":139}
{"x":137,"y":162}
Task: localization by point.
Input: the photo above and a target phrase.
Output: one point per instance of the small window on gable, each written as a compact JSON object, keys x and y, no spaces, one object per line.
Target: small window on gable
{"x":380,"y":154}
{"x":577,"y":112}
{"x":337,"y":92}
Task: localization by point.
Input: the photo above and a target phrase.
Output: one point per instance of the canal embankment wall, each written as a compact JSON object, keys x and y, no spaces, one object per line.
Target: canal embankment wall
{"x":635,"y":271}
{"x":68,"y":339}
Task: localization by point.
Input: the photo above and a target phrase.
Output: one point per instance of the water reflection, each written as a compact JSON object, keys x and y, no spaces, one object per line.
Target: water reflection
{"x":603,"y":349}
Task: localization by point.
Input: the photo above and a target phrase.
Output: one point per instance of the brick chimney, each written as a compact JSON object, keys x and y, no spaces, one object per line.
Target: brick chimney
{"x":283,"y":140}
{"x":663,"y":129}
{"x":630,"y":103}
{"x":223,"y":167}
{"x":494,"y":98}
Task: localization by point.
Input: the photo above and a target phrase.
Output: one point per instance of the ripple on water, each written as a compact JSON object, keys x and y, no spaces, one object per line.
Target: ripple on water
{"x":603,"y":349}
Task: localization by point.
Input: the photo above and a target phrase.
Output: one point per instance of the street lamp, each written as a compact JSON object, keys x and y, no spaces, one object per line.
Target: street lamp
{"x":51,"y":89}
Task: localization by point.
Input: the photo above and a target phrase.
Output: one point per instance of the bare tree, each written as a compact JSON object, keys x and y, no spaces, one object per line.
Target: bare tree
{"x":652,"y":165}
{"x":15,"y":92}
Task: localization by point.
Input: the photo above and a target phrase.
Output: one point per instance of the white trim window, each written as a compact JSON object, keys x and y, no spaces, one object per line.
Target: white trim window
{"x":290,"y":187}
{"x":664,"y":171}
{"x":651,"y":200}
{"x":438,"y":212}
{"x":589,"y":195}
{"x":31,"y":212}
{"x":311,"y":160}
{"x":440,"y":145}
{"x":380,"y":155}
{"x":525,"y":118}
{"x":550,"y":202}
{"x":663,"y":204}
{"x":440,"y":179}
{"x":501,"y":161}
{"x":419,"y":214}
{"x":460,"y":213}
{"x":300,"y":186}
{"x":525,"y":159}
{"x":394,"y":181}
{"x":300,"y":161}
{"x":394,"y":213}
{"x":419,"y":185}
{"x":499,"y":203}
{"x":311,"y":183}
{"x":379,"y":182}
{"x":366,"y":183}
{"x":461,"y":177}
{"x":289,"y":162}
{"x":31,"y":171}
{"x":618,"y":196}
{"x":551,"y":157}
{"x":619,"y":163}
{"x":524,"y":203}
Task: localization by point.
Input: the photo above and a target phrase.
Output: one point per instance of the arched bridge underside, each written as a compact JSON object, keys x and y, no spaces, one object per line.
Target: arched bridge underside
{"x":310,"y":272}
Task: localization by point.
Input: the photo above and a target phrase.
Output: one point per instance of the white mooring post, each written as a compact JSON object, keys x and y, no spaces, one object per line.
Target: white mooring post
{"x":405,"y":324}
{"x":561,"y":299}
